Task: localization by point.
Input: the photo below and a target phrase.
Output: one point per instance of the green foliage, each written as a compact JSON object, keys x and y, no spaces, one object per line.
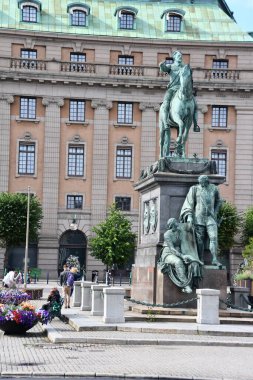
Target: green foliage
{"x":35,"y":272}
{"x":229,"y":226}
{"x":13,"y":215}
{"x":247,"y":226}
{"x":114,"y":241}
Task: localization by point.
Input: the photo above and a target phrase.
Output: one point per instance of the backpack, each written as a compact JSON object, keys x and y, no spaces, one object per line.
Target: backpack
{"x":70,"y":279}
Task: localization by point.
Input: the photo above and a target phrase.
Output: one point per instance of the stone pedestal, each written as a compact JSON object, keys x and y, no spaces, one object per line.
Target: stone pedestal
{"x":77,"y":294}
{"x":162,"y":195}
{"x":208,"y":306}
{"x":239,"y":296}
{"x":97,"y":299}
{"x":86,"y":295}
{"x":114,"y":305}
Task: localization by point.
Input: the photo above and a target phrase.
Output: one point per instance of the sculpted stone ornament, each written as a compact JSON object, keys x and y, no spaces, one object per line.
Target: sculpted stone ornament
{"x":179,"y":258}
{"x":179,"y":108}
{"x":146,"y":218}
{"x":200,"y":209}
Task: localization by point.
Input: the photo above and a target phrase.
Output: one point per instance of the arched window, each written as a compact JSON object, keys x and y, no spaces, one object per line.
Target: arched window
{"x":79,"y":13}
{"x":126,"y":17}
{"x":30,"y":10}
{"x":173,"y":19}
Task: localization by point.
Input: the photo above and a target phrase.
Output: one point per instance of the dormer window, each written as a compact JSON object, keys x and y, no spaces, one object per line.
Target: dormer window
{"x":126,"y":17}
{"x":78,"y":14}
{"x":30,"y":10}
{"x":173,"y":20}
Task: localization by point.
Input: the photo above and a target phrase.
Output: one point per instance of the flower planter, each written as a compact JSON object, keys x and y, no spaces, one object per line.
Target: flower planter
{"x":35,"y":294}
{"x":13,"y":328}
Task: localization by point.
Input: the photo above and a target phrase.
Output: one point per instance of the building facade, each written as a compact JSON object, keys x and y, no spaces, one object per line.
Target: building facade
{"x":80,"y":93}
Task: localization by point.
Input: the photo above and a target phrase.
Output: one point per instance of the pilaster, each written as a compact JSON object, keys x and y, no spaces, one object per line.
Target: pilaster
{"x":196,"y":139}
{"x":244,"y":157}
{"x":148,"y":136}
{"x":51,"y":164}
{"x":5,"y":102}
{"x":100,"y":159}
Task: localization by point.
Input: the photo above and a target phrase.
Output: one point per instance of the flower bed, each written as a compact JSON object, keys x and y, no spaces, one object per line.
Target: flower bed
{"x":17,"y":317}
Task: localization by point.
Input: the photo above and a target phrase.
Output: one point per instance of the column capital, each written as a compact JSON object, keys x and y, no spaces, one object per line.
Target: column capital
{"x":48,"y":100}
{"x":202,"y":108}
{"x":145,"y":106}
{"x":8,"y":98}
{"x":101,"y":103}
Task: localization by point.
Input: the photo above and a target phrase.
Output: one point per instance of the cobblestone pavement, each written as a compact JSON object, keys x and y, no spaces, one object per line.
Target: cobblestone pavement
{"x":34,"y":355}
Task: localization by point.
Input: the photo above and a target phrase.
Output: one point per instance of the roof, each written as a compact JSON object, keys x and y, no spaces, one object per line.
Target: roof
{"x":204,"y":20}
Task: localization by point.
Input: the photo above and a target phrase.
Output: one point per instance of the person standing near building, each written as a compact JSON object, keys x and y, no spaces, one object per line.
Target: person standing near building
{"x":11,"y":279}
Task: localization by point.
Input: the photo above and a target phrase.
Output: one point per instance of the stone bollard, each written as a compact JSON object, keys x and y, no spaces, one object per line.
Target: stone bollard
{"x":86,"y":295}
{"x":77,"y":294}
{"x":97,"y":299}
{"x":114,"y":305}
{"x":208,"y":306}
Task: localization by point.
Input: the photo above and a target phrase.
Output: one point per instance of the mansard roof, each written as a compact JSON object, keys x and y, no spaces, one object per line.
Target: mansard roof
{"x":204,"y":20}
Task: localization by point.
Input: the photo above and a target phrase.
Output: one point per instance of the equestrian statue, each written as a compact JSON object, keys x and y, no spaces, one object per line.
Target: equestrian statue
{"x":179,"y":107}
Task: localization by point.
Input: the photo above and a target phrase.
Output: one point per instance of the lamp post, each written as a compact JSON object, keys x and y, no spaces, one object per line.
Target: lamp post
{"x":27,"y":237}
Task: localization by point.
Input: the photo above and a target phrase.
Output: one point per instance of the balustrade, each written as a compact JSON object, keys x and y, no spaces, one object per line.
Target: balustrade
{"x":28,"y":64}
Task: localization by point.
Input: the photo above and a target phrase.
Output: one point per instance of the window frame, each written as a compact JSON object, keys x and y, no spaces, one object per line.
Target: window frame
{"x":124,"y":119}
{"x":78,"y":12}
{"x":71,"y":8}
{"x":127,"y":168}
{"x":78,"y":64}
{"x":29,"y":19}
{"x":173,"y":23}
{"x":215,"y":60}
{"x":126,"y":20}
{"x":26,"y":173}
{"x":29,"y":115}
{"x":78,"y":113}
{"x":216,"y":121}
{"x":75,"y":145}
{"x":68,"y":202}
{"x":220,"y":150}
{"x":124,"y":204}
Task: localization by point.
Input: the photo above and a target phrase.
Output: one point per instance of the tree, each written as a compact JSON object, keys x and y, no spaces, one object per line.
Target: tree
{"x":229,"y":226}
{"x":247,"y":226}
{"x":13,"y":219}
{"x":114,"y":242}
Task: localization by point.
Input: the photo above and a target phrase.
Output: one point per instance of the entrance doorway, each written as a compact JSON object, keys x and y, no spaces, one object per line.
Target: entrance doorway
{"x":72,"y":243}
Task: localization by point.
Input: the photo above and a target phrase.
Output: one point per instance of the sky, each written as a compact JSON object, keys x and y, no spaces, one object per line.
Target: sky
{"x":243,"y":13}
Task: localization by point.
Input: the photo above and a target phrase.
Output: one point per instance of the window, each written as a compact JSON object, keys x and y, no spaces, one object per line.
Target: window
{"x":123,"y":203}
{"x":169,"y":61}
{"x":26,"y":158}
{"x":126,"y":17}
{"x":29,"y":13}
{"x":126,"y":20}
{"x":29,"y":59}
{"x":220,"y":64}
{"x":125,"y":113}
{"x":78,"y":18}
{"x":124,"y":162}
{"x":79,"y":59}
{"x":220,"y":157}
{"x":76,"y":160}
{"x":173,"y":19}
{"x":125,"y":60}
{"x":219,"y":116}
{"x":28,"y":108}
{"x":77,"y":110}
{"x":74,"y":201}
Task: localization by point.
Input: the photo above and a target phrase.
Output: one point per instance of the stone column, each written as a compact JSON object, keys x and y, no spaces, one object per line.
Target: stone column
{"x":100,"y":159}
{"x":196,"y":139}
{"x":114,"y":305}
{"x":86,"y":295}
{"x":244,"y":157}
{"x":148,"y":136}
{"x":5,"y":102}
{"x":208,"y":306}
{"x":97,"y":299}
{"x":77,"y":294}
{"x":48,"y":245}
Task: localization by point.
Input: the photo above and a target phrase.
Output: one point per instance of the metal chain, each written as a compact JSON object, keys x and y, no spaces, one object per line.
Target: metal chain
{"x":166,"y":305}
{"x":232,"y":306}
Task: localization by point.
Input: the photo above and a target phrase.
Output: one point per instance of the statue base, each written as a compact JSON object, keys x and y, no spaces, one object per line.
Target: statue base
{"x":162,"y":194}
